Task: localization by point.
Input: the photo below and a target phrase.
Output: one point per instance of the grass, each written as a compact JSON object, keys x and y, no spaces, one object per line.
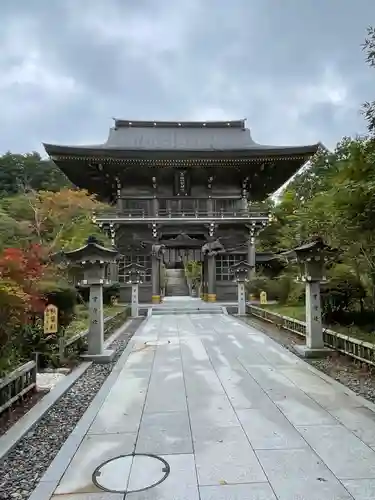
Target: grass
{"x":298,"y":312}
{"x":81,"y":320}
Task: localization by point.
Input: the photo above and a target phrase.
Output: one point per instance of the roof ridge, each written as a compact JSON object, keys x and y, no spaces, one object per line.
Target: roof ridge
{"x":120,"y":123}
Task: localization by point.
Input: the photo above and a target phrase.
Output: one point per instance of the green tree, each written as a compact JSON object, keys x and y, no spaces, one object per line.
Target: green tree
{"x":29,"y":171}
{"x":54,"y":220}
{"x":369,"y":106}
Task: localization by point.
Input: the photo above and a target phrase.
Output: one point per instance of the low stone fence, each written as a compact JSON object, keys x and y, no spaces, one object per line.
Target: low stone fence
{"x":355,"y":348}
{"x":16,"y":384}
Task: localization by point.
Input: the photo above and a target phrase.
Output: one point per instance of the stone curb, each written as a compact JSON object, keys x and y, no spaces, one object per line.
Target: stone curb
{"x":36,"y":413}
{"x":51,"y":478}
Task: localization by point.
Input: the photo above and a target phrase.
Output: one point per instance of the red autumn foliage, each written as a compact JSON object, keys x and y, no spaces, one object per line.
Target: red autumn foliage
{"x":25,"y":269}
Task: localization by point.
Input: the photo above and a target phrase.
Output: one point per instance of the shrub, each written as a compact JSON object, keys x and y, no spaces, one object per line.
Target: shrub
{"x":342,"y":295}
{"x":296,"y":294}
{"x":276,"y":289}
{"x":108,"y":292}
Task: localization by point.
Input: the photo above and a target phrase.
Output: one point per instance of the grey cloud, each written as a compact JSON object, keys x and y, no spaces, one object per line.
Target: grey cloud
{"x":294,"y":69}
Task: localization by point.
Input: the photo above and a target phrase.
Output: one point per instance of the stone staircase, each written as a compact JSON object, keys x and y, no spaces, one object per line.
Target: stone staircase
{"x":176,"y":285}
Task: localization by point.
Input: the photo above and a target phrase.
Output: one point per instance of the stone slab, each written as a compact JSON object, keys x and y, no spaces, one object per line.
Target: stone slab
{"x":361,"y":489}
{"x":300,"y":474}
{"x":166,"y":392}
{"x":255,"y":491}
{"x":122,"y":409}
{"x":105,"y":357}
{"x":302,"y":410}
{"x":165,"y":434}
{"x":93,"y":451}
{"x":361,"y":421}
{"x":181,"y":484}
{"x":241,"y":389}
{"x":214,"y":410}
{"x":307,"y":352}
{"x":223,"y":454}
{"x":268,"y":429}
{"x":345,"y":454}
{"x":91,"y":496}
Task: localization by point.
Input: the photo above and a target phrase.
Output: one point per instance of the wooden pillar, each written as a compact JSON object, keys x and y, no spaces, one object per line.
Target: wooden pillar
{"x":113,"y":272}
{"x":251,"y":256}
{"x":205,"y":270}
{"x":210,"y":206}
{"x":155,"y":207}
{"x":211,"y":268}
{"x":203,"y":280}
{"x":155,"y":276}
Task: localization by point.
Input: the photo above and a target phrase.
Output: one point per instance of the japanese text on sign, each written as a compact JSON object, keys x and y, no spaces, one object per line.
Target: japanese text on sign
{"x":50,"y":319}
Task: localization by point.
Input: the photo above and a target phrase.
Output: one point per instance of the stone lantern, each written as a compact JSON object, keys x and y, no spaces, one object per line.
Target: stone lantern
{"x":136,"y":274}
{"x":241,"y":273}
{"x":311,"y":258}
{"x":93,"y":258}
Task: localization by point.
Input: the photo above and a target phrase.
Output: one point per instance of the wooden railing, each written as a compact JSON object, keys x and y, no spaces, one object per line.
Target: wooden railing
{"x":16,"y":384}
{"x":144,"y":214}
{"x":355,"y":348}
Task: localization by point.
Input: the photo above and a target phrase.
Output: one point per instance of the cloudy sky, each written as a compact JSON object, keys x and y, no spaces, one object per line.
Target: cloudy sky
{"x":293,"y":68}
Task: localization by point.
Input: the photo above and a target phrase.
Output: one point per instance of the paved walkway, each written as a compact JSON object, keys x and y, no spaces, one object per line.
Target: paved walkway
{"x":235,"y":415}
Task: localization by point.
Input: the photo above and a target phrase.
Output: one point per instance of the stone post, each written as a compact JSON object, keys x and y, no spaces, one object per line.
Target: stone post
{"x":310,"y":258}
{"x":241,"y":298}
{"x":211,"y":268}
{"x":314,"y":331}
{"x":136,"y":274}
{"x":134,"y":306}
{"x":95,"y":339}
{"x":93,"y":259}
{"x":240,"y":272}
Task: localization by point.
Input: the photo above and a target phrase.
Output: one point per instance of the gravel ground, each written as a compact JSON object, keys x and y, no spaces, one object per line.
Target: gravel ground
{"x":26,"y":463}
{"x":357,"y":376}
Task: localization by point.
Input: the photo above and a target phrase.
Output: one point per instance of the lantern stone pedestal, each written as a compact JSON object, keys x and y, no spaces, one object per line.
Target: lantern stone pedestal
{"x":93,"y":259}
{"x":136,"y":274}
{"x":310,"y":259}
{"x":241,"y":272}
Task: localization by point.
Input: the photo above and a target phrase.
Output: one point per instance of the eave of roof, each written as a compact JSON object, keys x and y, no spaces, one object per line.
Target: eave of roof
{"x":132,"y":154}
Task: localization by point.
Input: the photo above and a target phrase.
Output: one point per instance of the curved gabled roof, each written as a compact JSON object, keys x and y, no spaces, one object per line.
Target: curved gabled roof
{"x":186,"y":136}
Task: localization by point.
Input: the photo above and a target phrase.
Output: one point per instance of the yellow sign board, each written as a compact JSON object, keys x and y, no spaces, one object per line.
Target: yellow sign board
{"x":50,"y":319}
{"x":263,"y":298}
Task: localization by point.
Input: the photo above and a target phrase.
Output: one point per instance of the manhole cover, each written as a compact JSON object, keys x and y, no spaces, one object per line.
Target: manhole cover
{"x":131,"y":473}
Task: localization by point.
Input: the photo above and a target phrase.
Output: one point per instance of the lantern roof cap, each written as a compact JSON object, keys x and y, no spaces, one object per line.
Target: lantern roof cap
{"x":315,"y":246}
{"x":239,"y":266}
{"x":92,"y":248}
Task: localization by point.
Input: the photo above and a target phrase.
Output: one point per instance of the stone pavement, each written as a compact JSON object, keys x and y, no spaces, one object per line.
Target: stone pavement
{"x":235,"y":415}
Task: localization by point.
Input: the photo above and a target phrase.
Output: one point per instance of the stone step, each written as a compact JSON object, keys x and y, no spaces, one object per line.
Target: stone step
{"x":182,"y":310}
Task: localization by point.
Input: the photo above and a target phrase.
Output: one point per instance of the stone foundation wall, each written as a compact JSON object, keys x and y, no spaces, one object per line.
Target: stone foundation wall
{"x":226,"y":291}
{"x":145,"y":293}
